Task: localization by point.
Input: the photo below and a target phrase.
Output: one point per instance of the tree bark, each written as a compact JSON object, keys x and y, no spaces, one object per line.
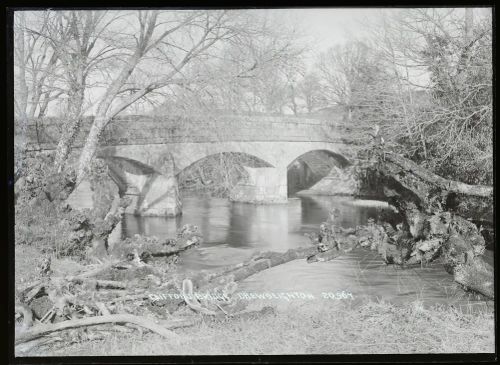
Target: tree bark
{"x":405,"y":181}
{"x":71,"y":128}
{"x":259,"y":262}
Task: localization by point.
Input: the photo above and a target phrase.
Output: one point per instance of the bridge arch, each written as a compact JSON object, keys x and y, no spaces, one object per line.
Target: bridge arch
{"x":227,"y":168}
{"x":122,"y":168}
{"x":159,"y":190}
{"x":152,"y":192}
{"x":343,"y":161}
{"x":246,"y":159}
{"x":310,"y":167}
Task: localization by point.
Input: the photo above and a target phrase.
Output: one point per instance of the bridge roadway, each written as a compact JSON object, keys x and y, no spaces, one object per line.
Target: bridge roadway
{"x":145,"y":154}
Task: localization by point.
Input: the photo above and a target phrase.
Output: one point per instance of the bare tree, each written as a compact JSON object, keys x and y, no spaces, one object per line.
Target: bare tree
{"x":441,"y":59}
{"x":35,"y":66}
{"x":309,"y":90}
{"x":75,"y":39}
{"x":102,"y":63}
{"x":155,"y":34}
{"x":252,"y":72}
{"x":352,"y":76}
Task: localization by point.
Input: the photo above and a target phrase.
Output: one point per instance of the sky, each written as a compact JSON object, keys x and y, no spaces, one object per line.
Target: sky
{"x":334,"y":25}
{"x":326,"y":27}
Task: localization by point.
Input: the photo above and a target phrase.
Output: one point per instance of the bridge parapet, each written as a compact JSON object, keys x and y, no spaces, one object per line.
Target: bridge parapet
{"x":142,"y":130}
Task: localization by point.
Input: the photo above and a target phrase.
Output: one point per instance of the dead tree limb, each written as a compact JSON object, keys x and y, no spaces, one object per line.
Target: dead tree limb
{"x":42,"y":330}
{"x":405,"y":181}
{"x":431,"y":178}
{"x":105,"y":284}
{"x":259,"y":262}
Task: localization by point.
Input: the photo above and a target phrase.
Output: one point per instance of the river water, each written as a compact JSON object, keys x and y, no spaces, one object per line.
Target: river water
{"x":233,"y":232}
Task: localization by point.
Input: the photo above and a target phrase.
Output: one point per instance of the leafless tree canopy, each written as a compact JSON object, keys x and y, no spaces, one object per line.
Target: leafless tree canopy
{"x":422,"y":74}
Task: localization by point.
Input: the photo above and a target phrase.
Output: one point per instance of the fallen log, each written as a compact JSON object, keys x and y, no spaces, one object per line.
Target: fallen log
{"x":42,"y":330}
{"x":227,"y":278}
{"x":405,"y":181}
{"x":257,"y":263}
{"x":436,"y":180}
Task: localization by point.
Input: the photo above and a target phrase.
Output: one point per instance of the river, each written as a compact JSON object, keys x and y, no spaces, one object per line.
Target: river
{"x":233,"y":232}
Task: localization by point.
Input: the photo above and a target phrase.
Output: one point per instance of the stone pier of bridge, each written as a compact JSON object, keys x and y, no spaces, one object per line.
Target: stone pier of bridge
{"x":155,"y":194}
{"x":152,"y":192}
{"x":264,"y":185}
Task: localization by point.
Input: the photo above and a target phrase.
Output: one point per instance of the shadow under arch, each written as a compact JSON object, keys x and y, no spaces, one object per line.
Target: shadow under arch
{"x":118,"y":166}
{"x":310,"y":167}
{"x":247,"y":159}
{"x":217,"y":173}
{"x":344,"y":162}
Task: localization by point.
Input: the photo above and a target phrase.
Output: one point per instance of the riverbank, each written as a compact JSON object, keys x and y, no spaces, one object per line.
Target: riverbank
{"x":315,"y":327}
{"x":371,"y":328}
{"x":360,"y":326}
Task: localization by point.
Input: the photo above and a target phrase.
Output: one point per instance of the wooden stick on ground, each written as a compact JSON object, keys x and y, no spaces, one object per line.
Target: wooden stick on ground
{"x":43,"y":330}
{"x":105,"y":284}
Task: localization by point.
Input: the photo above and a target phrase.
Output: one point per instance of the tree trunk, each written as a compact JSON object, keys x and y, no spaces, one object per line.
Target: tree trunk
{"x":256,"y":264}
{"x":405,"y":181}
{"x":90,"y":147}
{"x":20,"y":98}
{"x":102,"y":117}
{"x":72,"y":128}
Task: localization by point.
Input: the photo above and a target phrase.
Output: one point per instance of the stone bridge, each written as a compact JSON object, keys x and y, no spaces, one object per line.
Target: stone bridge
{"x":145,"y":154}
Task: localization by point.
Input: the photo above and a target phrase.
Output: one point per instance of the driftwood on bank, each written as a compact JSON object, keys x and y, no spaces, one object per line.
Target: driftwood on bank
{"x":226,"y":277}
{"x":111,"y":288}
{"x":257,"y":263}
{"x":108,"y":284}
{"x":42,"y":330}
{"x":147,"y":248}
{"x":222,"y":283}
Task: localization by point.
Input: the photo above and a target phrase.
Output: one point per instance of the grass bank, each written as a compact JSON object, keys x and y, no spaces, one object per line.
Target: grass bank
{"x":370,"y":328}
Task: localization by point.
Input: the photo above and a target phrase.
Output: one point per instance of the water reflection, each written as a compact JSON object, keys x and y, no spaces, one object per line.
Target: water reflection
{"x":233,"y":232}
{"x":275,"y":227}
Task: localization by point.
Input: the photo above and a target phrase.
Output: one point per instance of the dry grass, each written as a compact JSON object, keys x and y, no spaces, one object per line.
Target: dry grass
{"x":369,"y":328}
